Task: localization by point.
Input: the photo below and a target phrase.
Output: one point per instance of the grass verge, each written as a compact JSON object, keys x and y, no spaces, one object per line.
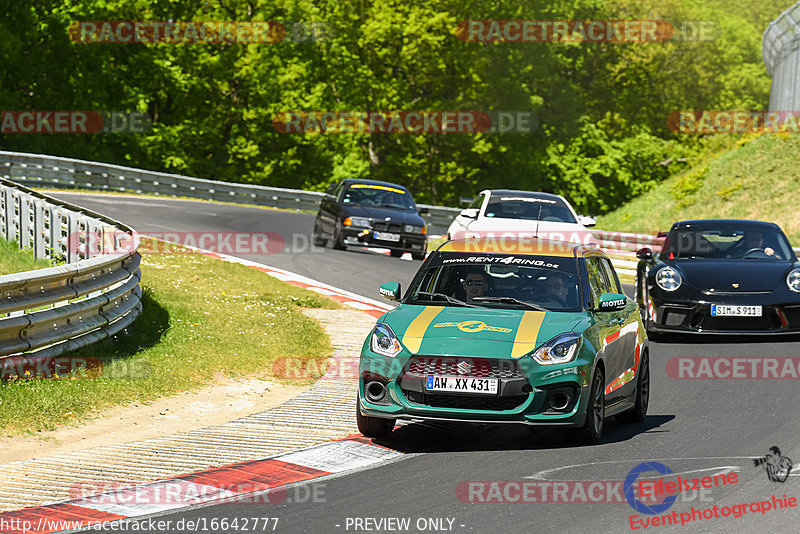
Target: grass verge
{"x":14,"y":260}
{"x":202,"y":318}
{"x":755,"y":180}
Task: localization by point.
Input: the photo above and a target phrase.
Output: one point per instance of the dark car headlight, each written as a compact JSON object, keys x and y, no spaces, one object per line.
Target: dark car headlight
{"x":561,"y":349}
{"x":411,"y":229}
{"x":669,"y":279}
{"x":793,"y":280}
{"x":384,"y":341}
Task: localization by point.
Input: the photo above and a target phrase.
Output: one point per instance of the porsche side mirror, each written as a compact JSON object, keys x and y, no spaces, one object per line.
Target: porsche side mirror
{"x":611,"y":302}
{"x":644,"y":254}
{"x":390,"y":290}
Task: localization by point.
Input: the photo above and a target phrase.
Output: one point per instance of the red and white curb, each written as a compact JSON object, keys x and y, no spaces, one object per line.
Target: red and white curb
{"x":370,"y":306}
{"x":256,"y":481}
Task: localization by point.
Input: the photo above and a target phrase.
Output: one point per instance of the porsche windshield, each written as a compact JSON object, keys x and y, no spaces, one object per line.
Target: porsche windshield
{"x":727,"y":242}
{"x":543,"y":283}
{"x":379,"y":196}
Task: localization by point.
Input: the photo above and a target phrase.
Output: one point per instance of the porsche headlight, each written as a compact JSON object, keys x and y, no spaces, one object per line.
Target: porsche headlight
{"x":356,"y":221}
{"x":384,"y":341}
{"x":793,"y":280}
{"x":669,"y":279}
{"x":561,"y":349}
{"x":410,"y":229}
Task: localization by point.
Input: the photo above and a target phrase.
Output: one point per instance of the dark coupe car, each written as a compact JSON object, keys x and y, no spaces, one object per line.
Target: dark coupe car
{"x":720,"y":276}
{"x":371,"y":214}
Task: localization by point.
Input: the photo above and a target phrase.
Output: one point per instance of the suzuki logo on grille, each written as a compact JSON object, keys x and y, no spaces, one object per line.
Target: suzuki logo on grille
{"x":463,"y":367}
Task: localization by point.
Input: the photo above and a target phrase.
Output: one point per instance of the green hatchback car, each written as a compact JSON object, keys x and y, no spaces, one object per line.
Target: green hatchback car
{"x":524,"y":331}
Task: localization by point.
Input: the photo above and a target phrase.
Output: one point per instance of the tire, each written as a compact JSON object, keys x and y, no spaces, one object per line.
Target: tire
{"x":418,"y":255}
{"x":315,"y":237}
{"x":337,"y":237}
{"x":638,"y":413}
{"x":651,"y":335}
{"x":373,"y":427}
{"x":396,"y":253}
{"x":595,"y":423}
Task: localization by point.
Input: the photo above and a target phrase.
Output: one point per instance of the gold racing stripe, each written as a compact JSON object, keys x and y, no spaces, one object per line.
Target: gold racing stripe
{"x":413,"y":337}
{"x":527,"y":331}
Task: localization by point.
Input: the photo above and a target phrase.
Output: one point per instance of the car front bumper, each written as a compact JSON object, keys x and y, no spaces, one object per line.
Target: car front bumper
{"x":415,"y":243}
{"x":694,"y":317}
{"x":523,"y":396}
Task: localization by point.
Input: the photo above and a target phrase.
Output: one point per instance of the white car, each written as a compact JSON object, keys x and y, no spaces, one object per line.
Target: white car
{"x":504,"y":212}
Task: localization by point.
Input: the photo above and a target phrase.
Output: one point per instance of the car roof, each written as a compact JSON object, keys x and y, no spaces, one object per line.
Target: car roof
{"x":373,"y":182}
{"x":519,"y":193}
{"x":523,"y":246}
{"x":724,"y":222}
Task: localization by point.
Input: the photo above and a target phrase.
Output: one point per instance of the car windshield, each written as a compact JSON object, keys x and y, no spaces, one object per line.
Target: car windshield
{"x":527,"y":208}
{"x":380,"y":196}
{"x":499,"y":281}
{"x":729,"y":242}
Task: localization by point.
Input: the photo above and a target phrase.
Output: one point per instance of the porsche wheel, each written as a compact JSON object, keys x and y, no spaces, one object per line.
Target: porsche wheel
{"x":373,"y":427}
{"x":639,"y":411}
{"x":595,"y":422}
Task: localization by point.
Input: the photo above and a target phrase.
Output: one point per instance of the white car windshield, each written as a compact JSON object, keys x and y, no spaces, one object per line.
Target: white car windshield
{"x":528,"y":208}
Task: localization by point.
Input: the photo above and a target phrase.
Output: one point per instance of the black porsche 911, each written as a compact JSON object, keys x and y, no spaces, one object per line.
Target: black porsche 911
{"x":720,"y":276}
{"x":369,"y":213}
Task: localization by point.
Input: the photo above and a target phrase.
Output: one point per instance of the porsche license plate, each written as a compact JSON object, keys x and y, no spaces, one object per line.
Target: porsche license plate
{"x":385,"y":236}
{"x":725,"y":310}
{"x":461,"y":384}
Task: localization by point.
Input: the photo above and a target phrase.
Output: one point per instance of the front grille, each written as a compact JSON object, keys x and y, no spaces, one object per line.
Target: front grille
{"x":466,"y":402}
{"x":479,"y":367}
{"x":739,"y":323}
{"x":383,"y":226}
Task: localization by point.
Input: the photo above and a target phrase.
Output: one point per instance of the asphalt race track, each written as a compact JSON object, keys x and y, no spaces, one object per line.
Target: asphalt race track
{"x":696,"y":427}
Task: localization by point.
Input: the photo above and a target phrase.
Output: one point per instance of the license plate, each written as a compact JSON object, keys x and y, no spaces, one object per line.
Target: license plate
{"x":385,"y":236}
{"x":461,"y":384}
{"x":724,"y":310}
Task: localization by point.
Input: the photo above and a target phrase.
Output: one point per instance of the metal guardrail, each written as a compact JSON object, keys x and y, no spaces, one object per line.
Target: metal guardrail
{"x":781,"y":54}
{"x":36,"y":170}
{"x":96,"y":294}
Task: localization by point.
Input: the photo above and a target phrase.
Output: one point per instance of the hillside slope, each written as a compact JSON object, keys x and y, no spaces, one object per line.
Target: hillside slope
{"x":759,"y":179}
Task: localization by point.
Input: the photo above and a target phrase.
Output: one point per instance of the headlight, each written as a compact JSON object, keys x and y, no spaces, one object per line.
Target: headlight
{"x":668,"y":279}
{"x":384,"y":341}
{"x":561,"y":349}
{"x":356,"y":221}
{"x":415,"y":229}
{"x":793,"y":280}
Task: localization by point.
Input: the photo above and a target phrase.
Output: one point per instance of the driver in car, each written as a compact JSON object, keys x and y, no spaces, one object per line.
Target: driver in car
{"x":475,"y":284}
{"x":754,"y":242}
{"x":556,"y":287}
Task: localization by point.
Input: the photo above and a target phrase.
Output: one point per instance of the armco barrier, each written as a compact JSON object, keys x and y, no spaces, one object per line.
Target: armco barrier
{"x":96,"y":294}
{"x":37,"y":170}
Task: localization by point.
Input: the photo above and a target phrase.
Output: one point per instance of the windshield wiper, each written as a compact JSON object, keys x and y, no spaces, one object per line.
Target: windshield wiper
{"x":448,"y":298}
{"x":509,"y":300}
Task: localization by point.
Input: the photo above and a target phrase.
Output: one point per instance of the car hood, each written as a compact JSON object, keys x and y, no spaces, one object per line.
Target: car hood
{"x":476,"y":332}
{"x":721,"y":275}
{"x":380,"y":214}
{"x":556,"y":231}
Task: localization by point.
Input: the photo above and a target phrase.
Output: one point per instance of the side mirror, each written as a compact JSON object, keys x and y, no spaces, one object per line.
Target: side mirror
{"x":390,"y":290}
{"x":469,"y":213}
{"x":644,"y":254}
{"x":423,"y":211}
{"x":611,"y":302}
{"x":586,"y":221}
